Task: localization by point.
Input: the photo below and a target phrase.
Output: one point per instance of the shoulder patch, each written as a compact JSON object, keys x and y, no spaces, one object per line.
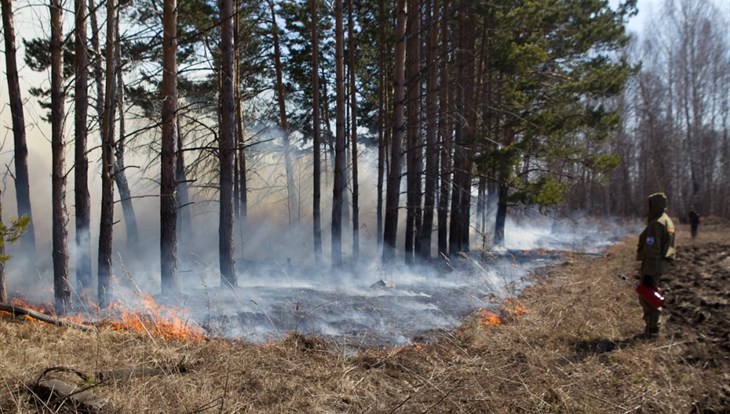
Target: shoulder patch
{"x":670,"y":229}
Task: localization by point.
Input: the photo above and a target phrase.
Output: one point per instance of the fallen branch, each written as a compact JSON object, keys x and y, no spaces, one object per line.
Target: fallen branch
{"x":21,"y":311}
{"x":56,"y":393}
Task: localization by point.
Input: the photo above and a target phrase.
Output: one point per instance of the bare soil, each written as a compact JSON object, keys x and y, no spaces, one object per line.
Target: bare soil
{"x":575,"y":350}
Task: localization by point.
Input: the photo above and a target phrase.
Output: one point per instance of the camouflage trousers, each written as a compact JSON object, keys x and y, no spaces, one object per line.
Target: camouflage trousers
{"x":651,"y":317}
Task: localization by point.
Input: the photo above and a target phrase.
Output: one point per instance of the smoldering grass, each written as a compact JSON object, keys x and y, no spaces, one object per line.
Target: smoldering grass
{"x":571,"y":352}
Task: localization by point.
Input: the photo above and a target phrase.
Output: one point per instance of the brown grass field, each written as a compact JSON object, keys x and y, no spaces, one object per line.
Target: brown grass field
{"x":574,"y":350}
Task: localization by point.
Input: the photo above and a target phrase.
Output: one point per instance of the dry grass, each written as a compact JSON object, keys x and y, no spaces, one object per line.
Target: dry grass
{"x":574,"y":351}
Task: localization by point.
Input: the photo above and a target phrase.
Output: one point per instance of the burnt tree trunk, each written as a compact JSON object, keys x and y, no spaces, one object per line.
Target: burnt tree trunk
{"x":339,"y":181}
{"x":390,"y":231}
{"x":22,"y":180}
{"x":316,"y":145}
{"x":227,"y":148}
{"x":82,"y":198}
{"x":169,"y":164}
{"x":61,"y":288}
{"x":107,"y":159}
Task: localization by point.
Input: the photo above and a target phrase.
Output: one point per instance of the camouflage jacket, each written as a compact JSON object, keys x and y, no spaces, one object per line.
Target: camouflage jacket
{"x":656,"y":242}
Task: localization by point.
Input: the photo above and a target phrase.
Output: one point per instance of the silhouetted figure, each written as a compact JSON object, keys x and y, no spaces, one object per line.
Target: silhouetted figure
{"x":694,"y":222}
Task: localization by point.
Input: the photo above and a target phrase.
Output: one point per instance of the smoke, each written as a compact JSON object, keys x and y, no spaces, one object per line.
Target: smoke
{"x":281,"y":288}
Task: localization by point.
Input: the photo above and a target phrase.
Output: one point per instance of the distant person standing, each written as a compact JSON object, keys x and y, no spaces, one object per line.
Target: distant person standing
{"x":694,"y":222}
{"x":655,"y":251}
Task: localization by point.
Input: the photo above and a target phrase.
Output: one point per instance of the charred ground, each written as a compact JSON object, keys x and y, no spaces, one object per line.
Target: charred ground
{"x":575,"y":350}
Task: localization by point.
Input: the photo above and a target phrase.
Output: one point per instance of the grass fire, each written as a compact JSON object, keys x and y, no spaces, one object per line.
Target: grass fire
{"x":567,"y":343}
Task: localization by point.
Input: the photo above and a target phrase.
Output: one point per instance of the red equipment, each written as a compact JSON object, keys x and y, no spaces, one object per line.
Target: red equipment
{"x":652,"y":295}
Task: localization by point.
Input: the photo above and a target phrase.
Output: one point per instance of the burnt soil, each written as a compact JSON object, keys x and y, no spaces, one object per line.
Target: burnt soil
{"x":569,"y":344}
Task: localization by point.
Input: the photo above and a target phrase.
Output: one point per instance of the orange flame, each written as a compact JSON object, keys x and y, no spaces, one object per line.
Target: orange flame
{"x":515,"y":307}
{"x":488,"y":318}
{"x":156,"y":320}
{"x":152,"y":319}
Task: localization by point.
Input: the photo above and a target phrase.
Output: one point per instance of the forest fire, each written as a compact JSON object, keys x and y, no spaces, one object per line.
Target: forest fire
{"x":514,"y":307}
{"x":488,"y":318}
{"x":152,"y":319}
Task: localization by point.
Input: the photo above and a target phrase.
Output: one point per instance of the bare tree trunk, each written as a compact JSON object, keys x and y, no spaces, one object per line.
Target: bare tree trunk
{"x":429,"y":201}
{"x":339,"y":182}
{"x":227,"y":149}
{"x":61,"y":288}
{"x":382,"y":124}
{"x":461,"y":195}
{"x":106,"y":226}
{"x":168,"y":157}
{"x":445,"y":136}
{"x":120,"y":175}
{"x":22,"y":180}
{"x":241,"y":196}
{"x":353,"y":139}
{"x":390,"y":232}
{"x":241,"y":168}
{"x":291,"y":191}
{"x":82,"y":198}
{"x":413,"y":135}
{"x":316,"y":193}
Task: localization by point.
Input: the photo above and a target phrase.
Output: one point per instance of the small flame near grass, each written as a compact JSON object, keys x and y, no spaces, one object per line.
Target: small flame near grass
{"x":488,"y":318}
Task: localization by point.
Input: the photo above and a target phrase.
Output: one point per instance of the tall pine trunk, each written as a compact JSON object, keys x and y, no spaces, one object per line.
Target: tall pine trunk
{"x":61,"y":288}
{"x":316,"y":144}
{"x":461,"y":191}
{"x":339,"y":181}
{"x":429,"y":199}
{"x":120,"y":174}
{"x":382,"y":117}
{"x":445,"y":133}
{"x":169,"y":164}
{"x":413,"y":135}
{"x":390,"y":231}
{"x":353,"y":136}
{"x":22,"y":180}
{"x":82,"y":198}
{"x":291,"y":191}
{"x":241,"y":190}
{"x":107,"y":169}
{"x":227,"y":148}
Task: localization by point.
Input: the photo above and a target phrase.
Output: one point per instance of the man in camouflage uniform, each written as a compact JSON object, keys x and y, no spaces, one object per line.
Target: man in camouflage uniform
{"x":655,"y":251}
